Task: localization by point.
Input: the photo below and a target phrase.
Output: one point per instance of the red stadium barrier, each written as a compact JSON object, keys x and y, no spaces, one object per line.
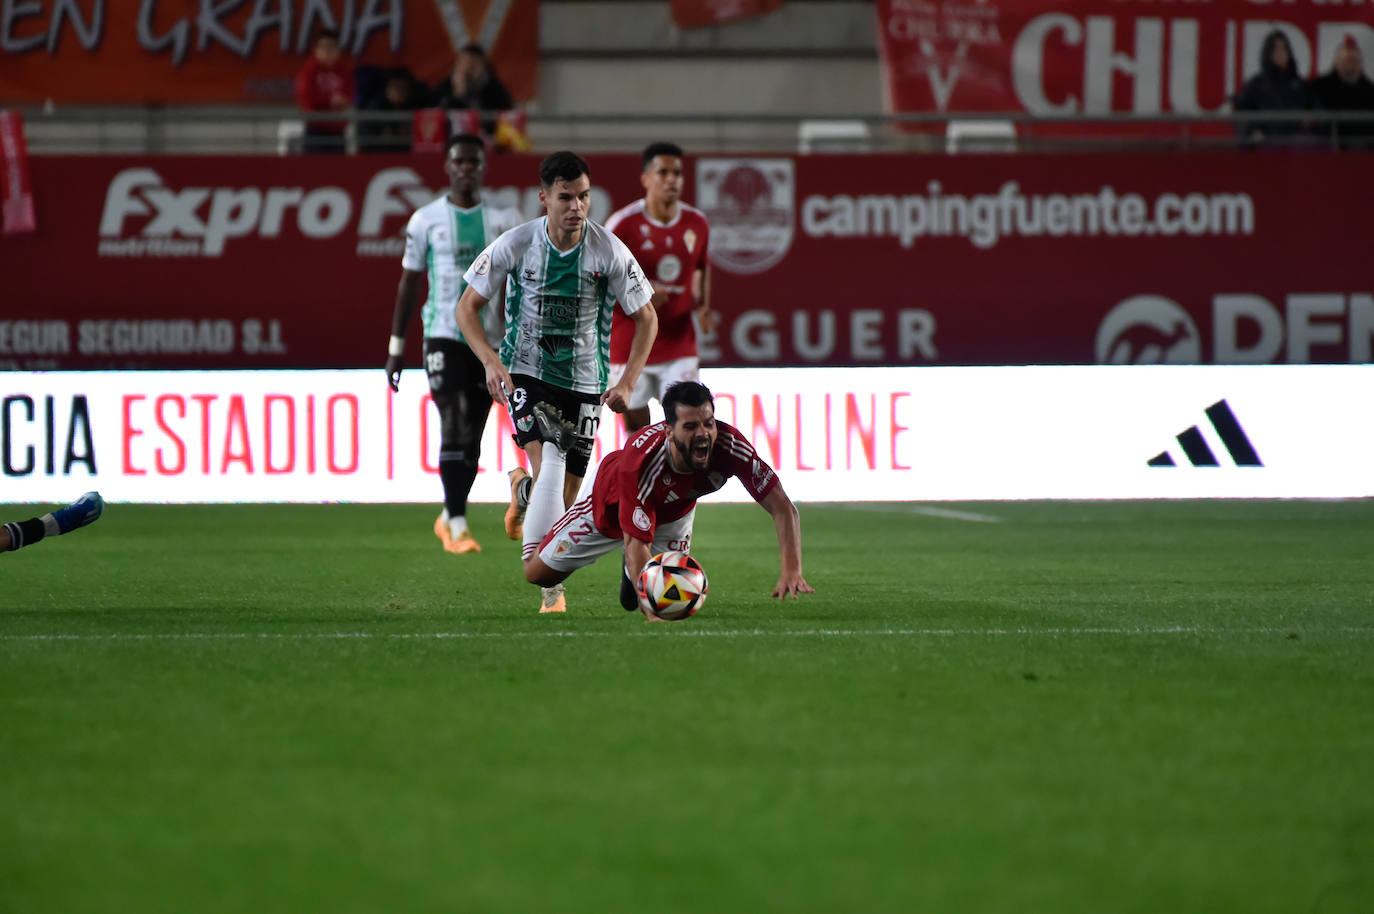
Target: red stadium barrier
{"x":243,"y":262}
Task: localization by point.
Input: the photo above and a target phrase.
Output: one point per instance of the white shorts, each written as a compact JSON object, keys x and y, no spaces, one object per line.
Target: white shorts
{"x":655,"y":379}
{"x":574,"y":542}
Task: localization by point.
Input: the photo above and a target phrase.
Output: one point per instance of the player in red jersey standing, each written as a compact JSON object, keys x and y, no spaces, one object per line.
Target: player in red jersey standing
{"x":646,"y":493}
{"x":669,"y":240}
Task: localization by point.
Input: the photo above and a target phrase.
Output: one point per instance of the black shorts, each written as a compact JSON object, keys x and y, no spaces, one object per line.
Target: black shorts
{"x":583,"y":411}
{"x":452,"y":368}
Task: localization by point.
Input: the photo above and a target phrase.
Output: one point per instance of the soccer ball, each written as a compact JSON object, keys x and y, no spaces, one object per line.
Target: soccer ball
{"x":672,"y":585}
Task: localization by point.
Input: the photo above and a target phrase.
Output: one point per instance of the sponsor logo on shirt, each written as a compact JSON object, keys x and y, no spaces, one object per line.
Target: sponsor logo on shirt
{"x":761,"y":473}
{"x":641,"y":520}
{"x":669,"y":268}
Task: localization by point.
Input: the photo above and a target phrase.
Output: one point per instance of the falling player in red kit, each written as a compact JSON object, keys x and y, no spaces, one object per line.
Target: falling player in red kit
{"x":668,"y":239}
{"x":646,"y":493}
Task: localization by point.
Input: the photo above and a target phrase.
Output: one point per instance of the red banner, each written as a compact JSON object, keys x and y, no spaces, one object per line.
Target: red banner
{"x":1097,"y":56}
{"x":237,"y":52}
{"x":693,"y":14}
{"x":257,"y":262}
{"x":16,"y":197}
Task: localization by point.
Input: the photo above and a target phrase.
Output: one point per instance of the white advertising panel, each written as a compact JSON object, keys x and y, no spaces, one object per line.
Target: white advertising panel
{"x":874,"y":434}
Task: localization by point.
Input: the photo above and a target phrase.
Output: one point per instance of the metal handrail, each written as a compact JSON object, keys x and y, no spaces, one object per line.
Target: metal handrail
{"x":264,"y":129}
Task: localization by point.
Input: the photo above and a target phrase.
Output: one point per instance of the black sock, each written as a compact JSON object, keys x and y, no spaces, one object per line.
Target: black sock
{"x":628,"y":598}
{"x":457,"y":475}
{"x":25,"y":532}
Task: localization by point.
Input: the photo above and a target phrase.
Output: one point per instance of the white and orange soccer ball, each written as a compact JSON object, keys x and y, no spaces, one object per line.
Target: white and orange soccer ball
{"x":672,"y":585}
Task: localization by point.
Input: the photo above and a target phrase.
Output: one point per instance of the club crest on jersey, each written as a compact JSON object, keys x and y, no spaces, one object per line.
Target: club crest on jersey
{"x":689,"y":238}
{"x":482,"y":265}
{"x":667,"y":480}
{"x":641,"y":520}
{"x":750,"y":204}
{"x":525,"y":423}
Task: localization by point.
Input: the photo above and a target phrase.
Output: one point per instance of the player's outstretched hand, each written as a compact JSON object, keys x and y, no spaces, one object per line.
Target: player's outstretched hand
{"x":791,"y":585}
{"x":393,"y":371}
{"x":617,"y":398}
{"x":650,"y":615}
{"x":706,"y":319}
{"x":499,"y":383}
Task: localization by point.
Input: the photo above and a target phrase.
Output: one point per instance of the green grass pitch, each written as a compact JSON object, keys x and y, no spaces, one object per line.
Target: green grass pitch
{"x":1020,"y":707}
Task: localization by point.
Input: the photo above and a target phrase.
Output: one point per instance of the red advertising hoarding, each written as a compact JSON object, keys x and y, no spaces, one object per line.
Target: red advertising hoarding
{"x":292,"y":262}
{"x":1098,"y":56}
{"x":237,"y":52}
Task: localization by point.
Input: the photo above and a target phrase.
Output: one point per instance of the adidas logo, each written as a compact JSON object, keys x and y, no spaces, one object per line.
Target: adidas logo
{"x":671,"y":497}
{"x":1195,"y":448}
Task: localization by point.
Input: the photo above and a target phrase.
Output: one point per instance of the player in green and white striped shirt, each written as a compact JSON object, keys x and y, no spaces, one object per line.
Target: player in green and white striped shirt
{"x":442,"y":240}
{"x":566,"y":275}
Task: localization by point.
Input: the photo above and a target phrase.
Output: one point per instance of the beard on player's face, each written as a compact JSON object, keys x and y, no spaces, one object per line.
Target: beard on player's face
{"x":695,"y":451}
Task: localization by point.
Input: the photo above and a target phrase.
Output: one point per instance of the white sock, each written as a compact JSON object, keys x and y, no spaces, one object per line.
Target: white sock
{"x":457,"y":526}
{"x":50,"y":527}
{"x":546,"y":500}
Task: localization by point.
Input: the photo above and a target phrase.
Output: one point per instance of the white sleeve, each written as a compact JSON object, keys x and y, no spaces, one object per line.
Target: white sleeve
{"x":488,"y":272}
{"x":626,"y":278}
{"x":417,"y":244}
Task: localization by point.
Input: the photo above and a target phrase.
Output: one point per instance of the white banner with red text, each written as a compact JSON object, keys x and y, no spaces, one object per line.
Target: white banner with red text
{"x":913,"y":434}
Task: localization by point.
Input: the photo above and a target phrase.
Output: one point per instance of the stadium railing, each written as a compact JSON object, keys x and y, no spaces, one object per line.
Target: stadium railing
{"x":270,"y":130}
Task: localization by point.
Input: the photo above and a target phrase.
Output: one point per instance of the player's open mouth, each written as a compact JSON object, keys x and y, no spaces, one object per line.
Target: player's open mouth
{"x":701,"y":449}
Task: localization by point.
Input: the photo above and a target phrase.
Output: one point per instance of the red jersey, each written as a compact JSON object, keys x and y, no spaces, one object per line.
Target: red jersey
{"x":316,"y":86}
{"x":669,"y":254}
{"x":637,"y":488}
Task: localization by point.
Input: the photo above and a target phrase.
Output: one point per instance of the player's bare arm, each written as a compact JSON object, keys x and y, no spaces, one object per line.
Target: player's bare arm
{"x":407,"y":294}
{"x":661,"y":295}
{"x":788,"y":524}
{"x":470,"y":322}
{"x":646,"y":328}
{"x":637,"y":555}
{"x":701,"y":291}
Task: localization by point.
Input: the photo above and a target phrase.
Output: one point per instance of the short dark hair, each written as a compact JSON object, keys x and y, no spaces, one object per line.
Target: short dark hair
{"x":331,"y":34}
{"x":475,"y":49}
{"x":660,"y":149}
{"x":464,"y":138}
{"x":685,"y":393}
{"x":562,"y":166}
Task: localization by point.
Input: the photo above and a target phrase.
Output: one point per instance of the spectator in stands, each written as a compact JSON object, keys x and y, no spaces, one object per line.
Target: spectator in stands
{"x":473,"y":84}
{"x":399,"y":92}
{"x":1346,"y":88}
{"x":325,"y":83}
{"x":1276,"y":87}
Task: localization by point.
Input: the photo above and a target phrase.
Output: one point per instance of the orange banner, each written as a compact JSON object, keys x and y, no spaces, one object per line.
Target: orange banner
{"x":185,"y":52}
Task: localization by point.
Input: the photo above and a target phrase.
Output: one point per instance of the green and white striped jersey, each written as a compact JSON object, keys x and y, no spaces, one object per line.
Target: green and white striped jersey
{"x":559,"y":305}
{"x":443,"y":240}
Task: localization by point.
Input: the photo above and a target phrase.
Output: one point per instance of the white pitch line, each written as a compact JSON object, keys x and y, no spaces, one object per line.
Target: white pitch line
{"x":691,"y":633}
{"x":927,"y":510}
